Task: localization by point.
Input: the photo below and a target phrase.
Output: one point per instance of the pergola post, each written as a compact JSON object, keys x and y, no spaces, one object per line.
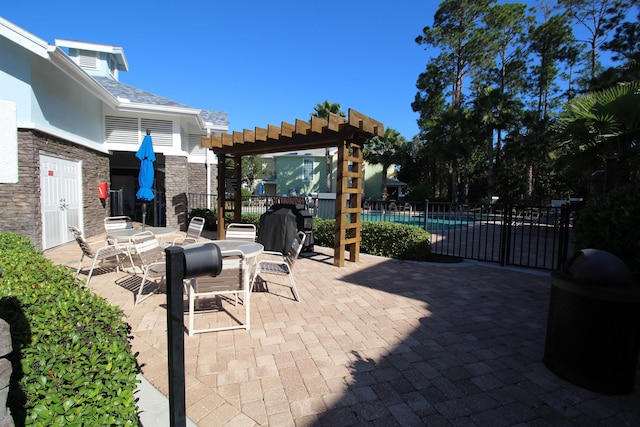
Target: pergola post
{"x":222,"y":190}
{"x":349,"y":189}
{"x":237,"y":177}
{"x":226,"y":183}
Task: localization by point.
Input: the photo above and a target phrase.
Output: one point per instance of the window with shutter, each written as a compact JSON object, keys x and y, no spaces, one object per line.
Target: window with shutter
{"x":122,"y":130}
{"x":128,"y":130}
{"x":307,"y":170}
{"x":88,"y":59}
{"x":161,"y":131}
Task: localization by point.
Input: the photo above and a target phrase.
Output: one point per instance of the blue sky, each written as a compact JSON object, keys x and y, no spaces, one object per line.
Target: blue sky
{"x":263,"y":62}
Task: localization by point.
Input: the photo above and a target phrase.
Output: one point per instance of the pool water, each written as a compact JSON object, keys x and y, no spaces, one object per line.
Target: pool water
{"x":418,"y":221}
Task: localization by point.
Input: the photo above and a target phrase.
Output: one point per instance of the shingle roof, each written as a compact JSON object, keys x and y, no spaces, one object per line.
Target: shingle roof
{"x":121,"y":90}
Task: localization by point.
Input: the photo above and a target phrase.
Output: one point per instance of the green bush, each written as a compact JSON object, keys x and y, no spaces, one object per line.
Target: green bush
{"x":210,"y":218}
{"x":72,"y":361}
{"x":610,"y":223}
{"x":245,"y":218}
{"x":381,"y":238}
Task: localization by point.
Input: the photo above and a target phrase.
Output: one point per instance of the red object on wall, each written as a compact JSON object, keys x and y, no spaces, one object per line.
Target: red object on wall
{"x":103,"y":190}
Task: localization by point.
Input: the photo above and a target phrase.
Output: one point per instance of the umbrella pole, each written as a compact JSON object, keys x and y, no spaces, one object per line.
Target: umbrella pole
{"x":144,"y":214}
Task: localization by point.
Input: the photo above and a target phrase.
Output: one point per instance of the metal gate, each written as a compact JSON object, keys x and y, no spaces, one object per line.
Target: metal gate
{"x":525,"y":236}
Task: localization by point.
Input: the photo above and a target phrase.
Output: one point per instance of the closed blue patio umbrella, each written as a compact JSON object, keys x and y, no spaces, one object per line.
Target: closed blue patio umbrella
{"x":145,"y":176}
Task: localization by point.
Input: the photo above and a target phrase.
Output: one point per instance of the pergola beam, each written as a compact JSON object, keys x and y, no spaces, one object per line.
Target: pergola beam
{"x":348,"y":134}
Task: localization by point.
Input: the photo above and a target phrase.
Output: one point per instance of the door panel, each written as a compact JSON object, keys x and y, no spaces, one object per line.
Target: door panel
{"x":60,"y":199}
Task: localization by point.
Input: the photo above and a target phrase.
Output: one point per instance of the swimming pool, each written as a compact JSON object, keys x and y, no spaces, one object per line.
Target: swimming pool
{"x":416,"y":220}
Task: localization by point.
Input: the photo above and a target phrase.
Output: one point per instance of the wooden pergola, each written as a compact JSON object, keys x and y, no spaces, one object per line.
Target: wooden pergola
{"x":348,"y":135}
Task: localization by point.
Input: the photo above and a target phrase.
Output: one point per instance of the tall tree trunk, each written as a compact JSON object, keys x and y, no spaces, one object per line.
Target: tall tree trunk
{"x":384,"y":183}
{"x":529,"y":194}
{"x":454,"y":181}
{"x":465,"y":190}
{"x":491,"y":179}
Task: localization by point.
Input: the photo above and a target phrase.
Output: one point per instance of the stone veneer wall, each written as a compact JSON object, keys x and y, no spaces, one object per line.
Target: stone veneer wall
{"x":182,"y":178}
{"x":20,"y":203}
{"x":198,"y":179}
{"x":176,"y":182}
{"x":6,"y":419}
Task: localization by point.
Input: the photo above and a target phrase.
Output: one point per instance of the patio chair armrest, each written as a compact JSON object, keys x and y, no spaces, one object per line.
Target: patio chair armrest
{"x":275,"y":253}
{"x":106,"y":242}
{"x":185,"y":240}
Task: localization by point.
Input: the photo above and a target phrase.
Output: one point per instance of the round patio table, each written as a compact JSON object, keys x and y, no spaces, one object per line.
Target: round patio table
{"x":250,"y":250}
{"x":127,"y":233}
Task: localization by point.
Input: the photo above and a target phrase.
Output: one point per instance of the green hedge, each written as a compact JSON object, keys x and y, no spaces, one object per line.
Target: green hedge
{"x":610,"y":223}
{"x":72,"y":361}
{"x":380,"y":238}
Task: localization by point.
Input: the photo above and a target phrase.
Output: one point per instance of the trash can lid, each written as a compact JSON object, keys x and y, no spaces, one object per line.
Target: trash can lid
{"x":597,"y":267}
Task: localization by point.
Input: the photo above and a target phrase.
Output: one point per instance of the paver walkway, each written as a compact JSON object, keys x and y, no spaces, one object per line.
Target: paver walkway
{"x":379,"y":342}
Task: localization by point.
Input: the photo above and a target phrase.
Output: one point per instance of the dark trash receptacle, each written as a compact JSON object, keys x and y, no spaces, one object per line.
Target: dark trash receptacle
{"x":593,"y":324}
{"x":279,"y":225}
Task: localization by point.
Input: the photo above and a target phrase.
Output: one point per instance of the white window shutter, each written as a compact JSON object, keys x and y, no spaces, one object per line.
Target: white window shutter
{"x":88,"y":59}
{"x":161,"y":131}
{"x":122,"y":130}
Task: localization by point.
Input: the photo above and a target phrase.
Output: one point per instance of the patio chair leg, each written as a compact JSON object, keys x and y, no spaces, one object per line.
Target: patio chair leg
{"x":293,"y":287}
{"x":90,"y":272}
{"x":79,"y":267}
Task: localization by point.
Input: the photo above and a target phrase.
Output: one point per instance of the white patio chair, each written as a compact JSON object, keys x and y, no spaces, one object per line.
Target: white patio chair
{"x":119,"y":223}
{"x":109,"y":252}
{"x":282,"y":264}
{"x":152,"y":260}
{"x":237,"y":231}
{"x":229,"y":283}
{"x":194,"y":231}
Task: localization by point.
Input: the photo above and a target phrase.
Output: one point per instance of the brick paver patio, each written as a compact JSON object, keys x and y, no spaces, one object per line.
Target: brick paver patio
{"x":380,"y":342}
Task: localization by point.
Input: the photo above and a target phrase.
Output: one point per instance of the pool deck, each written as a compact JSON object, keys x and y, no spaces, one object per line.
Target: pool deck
{"x":377,"y":342}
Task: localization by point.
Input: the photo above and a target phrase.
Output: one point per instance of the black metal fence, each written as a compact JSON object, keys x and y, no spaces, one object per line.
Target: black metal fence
{"x":250,"y":204}
{"x":524,"y":236}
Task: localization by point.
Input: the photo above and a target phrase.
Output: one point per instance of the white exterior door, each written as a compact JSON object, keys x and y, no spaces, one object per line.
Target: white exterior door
{"x":60,"y":184}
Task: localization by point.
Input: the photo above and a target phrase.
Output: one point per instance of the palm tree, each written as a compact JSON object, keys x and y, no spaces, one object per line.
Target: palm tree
{"x":322,"y":111}
{"x":604,"y":128}
{"x":384,"y":151}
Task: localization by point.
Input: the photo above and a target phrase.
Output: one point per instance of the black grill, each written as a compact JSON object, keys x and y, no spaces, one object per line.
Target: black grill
{"x":279,"y":225}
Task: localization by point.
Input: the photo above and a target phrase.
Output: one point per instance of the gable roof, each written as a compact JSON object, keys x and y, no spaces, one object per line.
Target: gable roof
{"x":116,"y":51}
{"x":126,"y":93}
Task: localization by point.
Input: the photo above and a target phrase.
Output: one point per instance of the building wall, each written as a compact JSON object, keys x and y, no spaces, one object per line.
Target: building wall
{"x":182,"y":178}
{"x":176,"y":188}
{"x":20,"y":202}
{"x":46,"y":96}
{"x":63,"y":104}
{"x":289,"y":170}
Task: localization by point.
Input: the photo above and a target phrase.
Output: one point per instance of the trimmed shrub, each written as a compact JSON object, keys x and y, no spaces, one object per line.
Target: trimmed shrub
{"x":245,"y":218}
{"x":72,"y":361}
{"x":385,"y":239}
{"x":610,"y":223}
{"x":210,"y":218}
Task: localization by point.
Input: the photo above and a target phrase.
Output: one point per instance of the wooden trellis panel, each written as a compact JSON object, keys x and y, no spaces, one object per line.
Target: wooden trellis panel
{"x":348,"y":203}
{"x":226,"y":204}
